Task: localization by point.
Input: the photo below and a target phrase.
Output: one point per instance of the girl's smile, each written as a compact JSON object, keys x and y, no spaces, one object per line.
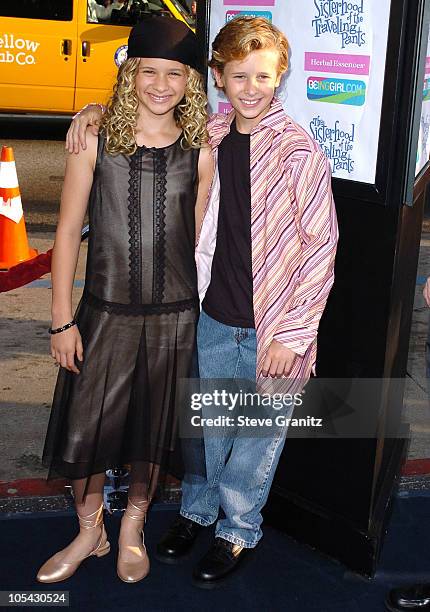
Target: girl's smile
{"x":160,"y":85}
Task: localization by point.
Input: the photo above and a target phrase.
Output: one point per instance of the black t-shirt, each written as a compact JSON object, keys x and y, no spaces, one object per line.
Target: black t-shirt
{"x":229,"y":296}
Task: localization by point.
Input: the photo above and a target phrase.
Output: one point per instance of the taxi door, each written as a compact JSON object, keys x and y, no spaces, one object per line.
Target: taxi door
{"x":102,"y":46}
{"x":37,"y":55}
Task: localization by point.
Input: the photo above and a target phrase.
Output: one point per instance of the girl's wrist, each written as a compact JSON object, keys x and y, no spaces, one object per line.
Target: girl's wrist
{"x":60,"y":319}
{"x":59,"y":330}
{"x":102,"y":107}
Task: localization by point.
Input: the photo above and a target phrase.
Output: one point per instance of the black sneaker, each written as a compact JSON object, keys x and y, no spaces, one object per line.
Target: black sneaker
{"x":178,"y":540}
{"x":218,"y":563}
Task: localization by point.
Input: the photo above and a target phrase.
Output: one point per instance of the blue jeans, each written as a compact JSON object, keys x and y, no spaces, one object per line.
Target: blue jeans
{"x":239,"y":469}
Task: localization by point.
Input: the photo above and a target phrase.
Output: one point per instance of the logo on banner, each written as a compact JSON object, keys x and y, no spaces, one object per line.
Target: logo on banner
{"x":425,"y":128}
{"x":341,"y":18}
{"x":337,"y":62}
{"x":337,"y":143}
{"x":336,"y":91}
{"x":249,"y":3}
{"x":224,"y":107}
{"x":426,"y":90}
{"x":232,"y":14}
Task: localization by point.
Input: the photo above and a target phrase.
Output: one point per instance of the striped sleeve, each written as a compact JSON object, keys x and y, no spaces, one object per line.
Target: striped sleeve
{"x":317,"y":224}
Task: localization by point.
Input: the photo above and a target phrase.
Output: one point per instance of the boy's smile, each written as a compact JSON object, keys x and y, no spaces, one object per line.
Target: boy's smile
{"x":250,"y":84}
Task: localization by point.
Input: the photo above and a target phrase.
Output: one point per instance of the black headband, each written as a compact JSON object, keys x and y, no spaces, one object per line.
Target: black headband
{"x":165,"y":38}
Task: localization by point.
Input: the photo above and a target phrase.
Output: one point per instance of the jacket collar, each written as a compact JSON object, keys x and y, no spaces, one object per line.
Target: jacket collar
{"x":275,"y":119}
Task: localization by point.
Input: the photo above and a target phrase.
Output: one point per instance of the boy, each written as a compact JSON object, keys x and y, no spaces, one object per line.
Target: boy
{"x":265,"y":259}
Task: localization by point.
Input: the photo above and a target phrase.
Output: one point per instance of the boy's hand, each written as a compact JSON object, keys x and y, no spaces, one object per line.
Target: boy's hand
{"x":426,"y":291}
{"x":279,"y":360}
{"x":76,"y":135}
{"x":64,"y":346}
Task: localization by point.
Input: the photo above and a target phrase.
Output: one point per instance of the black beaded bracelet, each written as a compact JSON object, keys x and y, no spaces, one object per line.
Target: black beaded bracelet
{"x":61,"y":329}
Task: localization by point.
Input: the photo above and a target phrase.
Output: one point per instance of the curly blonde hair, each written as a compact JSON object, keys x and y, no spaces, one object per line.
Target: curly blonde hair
{"x":242,"y":35}
{"x":119,"y":121}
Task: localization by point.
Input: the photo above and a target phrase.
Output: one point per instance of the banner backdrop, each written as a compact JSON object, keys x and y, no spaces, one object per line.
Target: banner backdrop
{"x":423,"y":150}
{"x":335,"y":83}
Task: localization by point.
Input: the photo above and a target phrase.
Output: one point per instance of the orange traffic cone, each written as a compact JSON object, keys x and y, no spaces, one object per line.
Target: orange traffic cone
{"x":14,"y":246}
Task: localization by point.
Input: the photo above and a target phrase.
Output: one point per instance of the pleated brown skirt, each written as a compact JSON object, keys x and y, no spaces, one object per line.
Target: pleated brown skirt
{"x":123,"y":406}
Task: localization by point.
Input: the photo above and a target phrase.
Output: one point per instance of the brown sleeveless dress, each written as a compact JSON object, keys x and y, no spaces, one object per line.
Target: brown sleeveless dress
{"x":137,"y":318}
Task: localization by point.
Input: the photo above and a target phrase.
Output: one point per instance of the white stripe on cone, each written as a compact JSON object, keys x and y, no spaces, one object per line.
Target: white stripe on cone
{"x":8,"y":176}
{"x":11,"y":208}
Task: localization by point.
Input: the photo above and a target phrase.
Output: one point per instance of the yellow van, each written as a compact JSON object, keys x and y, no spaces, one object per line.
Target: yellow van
{"x":57,"y":55}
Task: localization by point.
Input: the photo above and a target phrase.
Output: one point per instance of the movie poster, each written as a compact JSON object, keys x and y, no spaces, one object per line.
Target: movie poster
{"x":423,"y":150}
{"x":335,"y":83}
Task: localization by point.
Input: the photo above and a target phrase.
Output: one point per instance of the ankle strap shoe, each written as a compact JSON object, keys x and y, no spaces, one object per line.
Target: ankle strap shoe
{"x":137,"y":512}
{"x":91,"y":521}
{"x":56,"y":569}
{"x":134,"y":571}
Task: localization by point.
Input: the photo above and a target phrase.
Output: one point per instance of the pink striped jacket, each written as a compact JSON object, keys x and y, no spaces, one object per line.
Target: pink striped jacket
{"x":293,"y":234}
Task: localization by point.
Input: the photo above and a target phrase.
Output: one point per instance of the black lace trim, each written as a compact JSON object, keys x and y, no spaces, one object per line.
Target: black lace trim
{"x":159,"y":258}
{"x":134,"y":224}
{"x":138,"y":309}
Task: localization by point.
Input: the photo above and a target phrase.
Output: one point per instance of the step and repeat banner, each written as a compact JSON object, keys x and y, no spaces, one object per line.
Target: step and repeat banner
{"x":335,"y":83}
{"x":423,"y":150}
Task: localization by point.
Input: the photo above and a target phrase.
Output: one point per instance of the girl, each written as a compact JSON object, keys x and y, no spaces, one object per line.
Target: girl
{"x":134,"y":332}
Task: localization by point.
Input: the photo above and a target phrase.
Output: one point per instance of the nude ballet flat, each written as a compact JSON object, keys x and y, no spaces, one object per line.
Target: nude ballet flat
{"x":137,"y":570}
{"x":55,"y":570}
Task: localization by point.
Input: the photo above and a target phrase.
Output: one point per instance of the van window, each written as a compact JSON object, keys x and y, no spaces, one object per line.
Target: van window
{"x":185,"y":11}
{"x":56,"y":10}
{"x":124,"y":12}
